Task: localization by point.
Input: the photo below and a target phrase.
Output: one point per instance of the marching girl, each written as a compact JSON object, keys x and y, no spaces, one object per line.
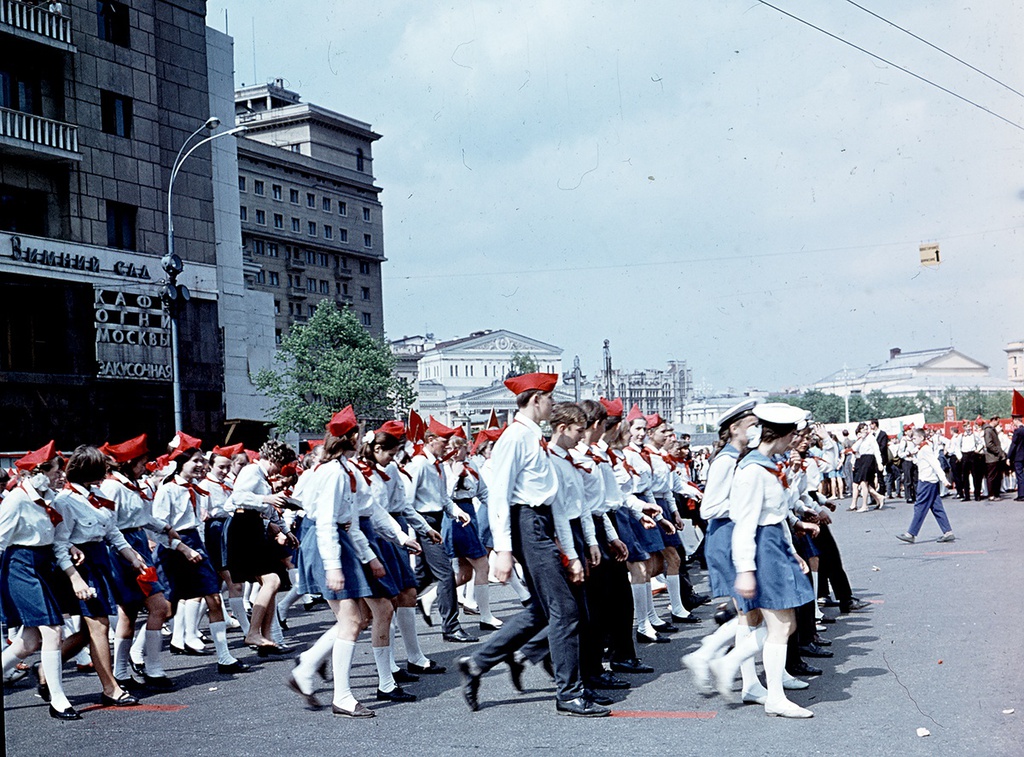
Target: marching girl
{"x":868,"y":462}
{"x":252,"y":554}
{"x":189,"y":572}
{"x":770,"y":575}
{"x":332,"y":563}
{"x":132,"y":507}
{"x":31,"y":587}
{"x":218,"y":485}
{"x":89,"y":523}
{"x":377,"y":463}
{"x":462,"y":541}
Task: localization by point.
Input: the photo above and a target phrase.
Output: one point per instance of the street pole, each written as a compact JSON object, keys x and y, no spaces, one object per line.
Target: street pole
{"x":173,"y":265}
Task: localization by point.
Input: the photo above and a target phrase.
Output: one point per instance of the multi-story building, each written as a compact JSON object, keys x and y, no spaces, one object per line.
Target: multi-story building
{"x":662,"y":391}
{"x":310,"y":212}
{"x":96,"y":98}
{"x":1015,"y":361}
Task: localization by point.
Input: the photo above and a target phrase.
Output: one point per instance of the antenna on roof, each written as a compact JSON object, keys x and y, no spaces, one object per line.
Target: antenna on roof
{"x":254,"y":77}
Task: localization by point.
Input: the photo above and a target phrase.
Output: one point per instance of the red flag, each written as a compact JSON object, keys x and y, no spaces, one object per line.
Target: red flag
{"x":147,"y":579}
{"x":492,"y":421}
{"x":416,"y":427}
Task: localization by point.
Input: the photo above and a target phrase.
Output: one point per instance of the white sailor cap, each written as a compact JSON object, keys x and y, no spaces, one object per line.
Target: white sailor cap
{"x":735,"y":412}
{"x":781,"y":414}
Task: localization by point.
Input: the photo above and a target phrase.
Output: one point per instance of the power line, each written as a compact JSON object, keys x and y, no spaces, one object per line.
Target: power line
{"x":935,"y":47}
{"x":894,"y":65}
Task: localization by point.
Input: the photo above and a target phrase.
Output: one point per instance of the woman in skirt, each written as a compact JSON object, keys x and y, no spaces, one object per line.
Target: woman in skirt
{"x":332,"y":563}
{"x":133,"y":510}
{"x":32,"y":589}
{"x":867,"y":463}
{"x":252,"y":554}
{"x":188,"y":572}
{"x":770,"y":575}
{"x":218,"y":484}
{"x":90,"y":524}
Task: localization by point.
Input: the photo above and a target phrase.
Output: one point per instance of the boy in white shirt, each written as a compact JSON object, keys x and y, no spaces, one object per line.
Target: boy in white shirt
{"x":929,"y":473}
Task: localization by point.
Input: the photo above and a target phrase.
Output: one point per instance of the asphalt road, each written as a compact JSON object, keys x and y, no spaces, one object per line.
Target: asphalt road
{"x":939,"y":649}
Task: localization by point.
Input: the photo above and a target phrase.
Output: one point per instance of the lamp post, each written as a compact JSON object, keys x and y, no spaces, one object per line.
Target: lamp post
{"x":173,"y":293}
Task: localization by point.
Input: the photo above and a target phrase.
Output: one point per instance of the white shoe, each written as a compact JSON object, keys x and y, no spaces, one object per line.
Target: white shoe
{"x":724,"y":676}
{"x":698,"y":665}
{"x":232,"y":622}
{"x":819,"y":627}
{"x":794,"y":684}
{"x":787,"y":709}
{"x":757,"y":694}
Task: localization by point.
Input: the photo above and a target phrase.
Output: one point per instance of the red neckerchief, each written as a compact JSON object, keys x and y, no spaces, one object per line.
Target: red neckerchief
{"x":779,"y":473}
{"x":131,"y":486}
{"x":94,"y":499}
{"x":468,"y":471}
{"x":404,"y":472}
{"x":193,"y":491}
{"x":223,"y":485}
{"x":366,"y":470}
{"x":594,"y":456}
{"x":51,"y":512}
{"x":351,"y":476}
{"x":568,"y":459}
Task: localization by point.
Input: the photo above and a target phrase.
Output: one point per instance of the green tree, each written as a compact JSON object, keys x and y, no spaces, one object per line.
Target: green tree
{"x":522,"y":363}
{"x":970,"y":403}
{"x":327,"y":363}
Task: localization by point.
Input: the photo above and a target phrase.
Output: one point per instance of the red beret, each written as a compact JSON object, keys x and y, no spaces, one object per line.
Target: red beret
{"x":343,"y":422}
{"x":38,"y":457}
{"x":445,"y":432}
{"x":231,"y":451}
{"x":653,"y":421}
{"x":183,"y":441}
{"x":613,"y":407}
{"x":545,"y":382}
{"x":635,"y":413}
{"x":159,"y":464}
{"x":392,"y":428}
{"x":128,"y":450}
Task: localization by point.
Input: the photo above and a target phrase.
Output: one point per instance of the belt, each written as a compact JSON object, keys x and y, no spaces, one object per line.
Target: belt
{"x":131,"y":530}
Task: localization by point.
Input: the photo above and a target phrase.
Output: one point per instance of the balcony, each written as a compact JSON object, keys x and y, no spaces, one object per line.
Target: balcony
{"x":295,"y":264}
{"x":342,"y":274}
{"x":38,"y":136}
{"x":34,"y":22}
{"x":297,"y":292}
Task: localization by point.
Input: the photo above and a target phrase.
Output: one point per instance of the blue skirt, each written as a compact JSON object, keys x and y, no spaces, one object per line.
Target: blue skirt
{"x":780,"y":583}
{"x":97,"y":571}
{"x":805,"y":546}
{"x":216,"y":538}
{"x":718,"y":553}
{"x":671,"y":540}
{"x":459,"y":540}
{"x":312,"y":575}
{"x":126,"y":588}
{"x":186,"y":580}
{"x":626,"y":526}
{"x":385,"y":587}
{"x":32,"y":587}
{"x":483,"y":527}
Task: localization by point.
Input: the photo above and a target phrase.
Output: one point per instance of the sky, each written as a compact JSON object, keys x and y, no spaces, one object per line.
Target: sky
{"x":713,"y":182}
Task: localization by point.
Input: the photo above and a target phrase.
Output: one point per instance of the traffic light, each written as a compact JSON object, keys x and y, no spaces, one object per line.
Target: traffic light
{"x":172,"y":292}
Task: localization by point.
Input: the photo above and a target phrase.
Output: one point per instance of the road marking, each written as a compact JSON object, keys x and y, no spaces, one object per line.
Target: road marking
{"x":138,"y":708}
{"x":877,"y":601}
{"x":965,"y":552}
{"x":684,"y":715}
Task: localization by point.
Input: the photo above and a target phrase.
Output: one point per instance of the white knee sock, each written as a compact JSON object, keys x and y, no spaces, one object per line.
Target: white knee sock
{"x":724,"y":635}
{"x":747,"y":670}
{"x":746,"y":647}
{"x":385,"y":679}
{"x":253,"y":590}
{"x":154,"y":644}
{"x":13,"y":654}
{"x":121,"y":649}
{"x":237,"y":605}
{"x":276,"y":634}
{"x":774,"y":664}
{"x":193,"y":610}
{"x":392,"y":665}
{"x":311,"y":660}
{"x":483,"y":599}
{"x":341,"y":662}
{"x":641,"y":596}
{"x":284,"y":604}
{"x":818,"y":614}
{"x":652,"y":616}
{"x":139,"y":643}
{"x":219,"y":631}
{"x":406,"y":619}
{"x":52,"y":672}
{"x":470,"y":598}
{"x":518,"y":587}
{"x":675,"y":596}
{"x":178,"y":626}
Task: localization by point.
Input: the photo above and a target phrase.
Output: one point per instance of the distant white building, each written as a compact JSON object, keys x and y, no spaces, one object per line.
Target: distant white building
{"x":665,"y":391}
{"x":1015,"y":361}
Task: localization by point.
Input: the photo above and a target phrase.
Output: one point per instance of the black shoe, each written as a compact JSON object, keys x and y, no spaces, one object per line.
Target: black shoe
{"x":471,"y":610}
{"x":695,"y":600}
{"x":397,"y":694}
{"x":41,"y":688}
{"x":188,"y":651}
{"x":634,"y":665}
{"x":428,"y":669}
{"x":656,"y":639}
{"x":801,"y":669}
{"x":125,"y":700}
{"x":128,"y":683}
{"x":821,"y":641}
{"x":813,"y":650}
{"x":515,"y":671}
{"x":596,"y":697}
{"x":138,"y":668}
{"x":404,"y":676}
{"x":688,"y":619}
{"x":159,"y":682}
{"x":459,"y":636}
{"x":470,"y":682}
{"x":68,"y":714}
{"x":270,"y":650}
{"x":724,"y":613}
{"x":282,"y":622}
{"x":581,"y":708}
{"x":236,"y":667}
{"x":359,"y":711}
{"x":311,"y":701}
{"x":664,"y":627}
{"x":826,"y":619}
{"x":853,"y":605}
{"x":606,"y":681}
{"x":829,"y":602}
{"x":488,"y":626}
{"x":1018,"y":499}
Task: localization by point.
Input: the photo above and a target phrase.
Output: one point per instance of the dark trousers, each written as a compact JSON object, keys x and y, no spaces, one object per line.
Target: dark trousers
{"x":610,"y":600}
{"x":1018,"y":469}
{"x":552,"y":603}
{"x":994,"y":477}
{"x":909,"y":480}
{"x":956,"y":471}
{"x":830,"y":566}
{"x":435,"y":565}
{"x":973,"y":467}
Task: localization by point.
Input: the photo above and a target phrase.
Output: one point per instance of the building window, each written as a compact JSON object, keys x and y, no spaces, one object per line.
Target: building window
{"x":113,"y":23}
{"x":275,"y":191}
{"x":366,"y":214}
{"x":364,"y":267}
{"x":337,"y":288}
{"x":277,"y":307}
{"x":344,"y":288}
{"x":469,"y":370}
{"x":243,"y":213}
{"x":293,"y":196}
{"x":360,"y":160}
{"x":278,"y":221}
{"x":485,"y":371}
{"x":258,"y":188}
{"x":116,"y":111}
{"x":261,"y":277}
{"x":296,"y":225}
{"x":258,"y":246}
{"x":328,"y":232}
{"x":261,"y":217}
{"x":365,"y":293}
{"x":311,"y":309}
{"x":325,"y":287}
{"x":311,"y":228}
{"x":272,"y":249}
{"x":241,"y":183}
{"x":277,"y":336}
{"x":310,"y":285}
{"x":368,"y":321}
{"x":321,"y":259}
{"x":367,"y":240}
{"x":342,"y":208}
{"x":120,"y":226}
{"x":326,"y":204}
{"x":342,"y":235}
{"x":275,"y":279}
{"x":310,"y":200}
{"x":310,"y":257}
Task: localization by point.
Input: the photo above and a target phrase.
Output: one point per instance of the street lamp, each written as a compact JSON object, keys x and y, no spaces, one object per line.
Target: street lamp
{"x":174,"y":293}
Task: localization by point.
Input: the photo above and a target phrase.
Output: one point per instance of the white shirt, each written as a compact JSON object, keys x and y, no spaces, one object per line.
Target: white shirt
{"x":23,"y":521}
{"x":428,"y":486}
{"x":330,"y":499}
{"x":757,"y":498}
{"x":521,"y":473}
{"x":220,"y":492}
{"x":371,"y":502}
{"x":716,"y":491}
{"x":83,"y":523}
{"x":595,"y":498}
{"x":174,"y":504}
{"x":569,"y":502}
{"x":134,"y":504}
{"x":928,"y":467}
